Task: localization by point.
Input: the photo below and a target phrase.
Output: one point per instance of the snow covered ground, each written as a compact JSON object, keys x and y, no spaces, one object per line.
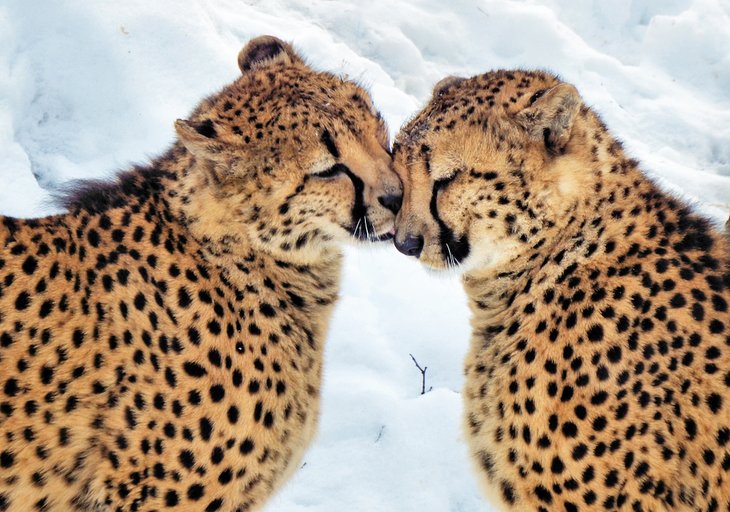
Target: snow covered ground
{"x":87,"y":88}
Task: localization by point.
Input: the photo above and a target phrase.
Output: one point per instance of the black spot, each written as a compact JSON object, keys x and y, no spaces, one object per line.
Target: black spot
{"x":171,"y":498}
{"x":267,"y":310}
{"x":214,"y":357}
{"x":557,"y":466}
{"x":11,"y":387}
{"x":691,"y":428}
{"x":233,"y":414}
{"x":714,"y":402}
{"x":214,"y":327}
{"x":225,"y":477}
{"x":140,"y":301}
{"x":716,"y":326}
{"x":217,"y":392}
{"x":543,"y":494}
{"x":22,"y":301}
{"x":579,"y":451}
{"x":195,"y":492}
{"x":29,"y":265}
{"x":78,"y":337}
{"x":698,"y":312}
{"x":508,"y":492}
{"x":183,"y":297}
{"x":595,"y":333}
{"x":206,"y":429}
{"x":187,"y":458}
{"x":194,"y":369}
{"x":93,"y":238}
{"x":719,"y":304}
{"x":246,"y":446}
{"x":214,"y":505}
{"x":614,"y":354}
{"x":170,"y":377}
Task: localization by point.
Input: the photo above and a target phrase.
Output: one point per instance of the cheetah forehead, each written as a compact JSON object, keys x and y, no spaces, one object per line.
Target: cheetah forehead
{"x":469,"y":101}
{"x":285,"y":100}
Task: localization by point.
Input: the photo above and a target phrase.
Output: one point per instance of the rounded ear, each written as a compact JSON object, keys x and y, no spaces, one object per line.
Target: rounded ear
{"x":550,"y":118}
{"x":443,"y":85}
{"x":263,"y":51}
{"x":201,"y":139}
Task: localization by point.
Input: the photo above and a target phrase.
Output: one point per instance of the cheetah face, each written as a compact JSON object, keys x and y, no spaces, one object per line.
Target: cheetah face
{"x":475,"y":165}
{"x":299,"y":158}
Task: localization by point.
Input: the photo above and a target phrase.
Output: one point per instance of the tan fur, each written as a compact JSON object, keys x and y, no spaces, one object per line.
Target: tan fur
{"x":599,"y":367}
{"x":161,"y":344}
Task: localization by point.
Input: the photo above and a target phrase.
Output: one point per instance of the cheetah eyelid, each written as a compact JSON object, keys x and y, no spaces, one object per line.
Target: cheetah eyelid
{"x":332,"y":171}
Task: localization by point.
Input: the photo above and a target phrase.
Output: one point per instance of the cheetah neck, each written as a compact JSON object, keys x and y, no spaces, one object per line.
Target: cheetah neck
{"x":221,"y":241}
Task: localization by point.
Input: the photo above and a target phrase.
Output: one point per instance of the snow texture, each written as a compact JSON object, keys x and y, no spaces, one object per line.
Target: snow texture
{"x":87,"y":88}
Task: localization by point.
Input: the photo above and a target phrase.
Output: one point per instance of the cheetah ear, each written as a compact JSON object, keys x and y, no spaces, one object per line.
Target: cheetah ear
{"x":550,"y":118}
{"x":443,"y":85}
{"x":200,"y":138}
{"x":265,"y":50}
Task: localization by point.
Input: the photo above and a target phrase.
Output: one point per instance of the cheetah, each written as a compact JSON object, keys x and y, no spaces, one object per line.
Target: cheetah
{"x":598,"y":370}
{"x":161,"y":343}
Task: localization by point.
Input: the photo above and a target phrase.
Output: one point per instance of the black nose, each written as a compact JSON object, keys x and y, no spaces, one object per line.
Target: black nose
{"x":412,"y":245}
{"x":392,"y":203}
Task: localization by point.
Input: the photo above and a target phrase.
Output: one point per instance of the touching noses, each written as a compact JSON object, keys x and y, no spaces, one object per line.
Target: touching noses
{"x":411,"y":245}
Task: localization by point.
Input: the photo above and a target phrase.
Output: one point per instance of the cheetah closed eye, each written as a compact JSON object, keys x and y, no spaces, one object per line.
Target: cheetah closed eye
{"x":161,"y":344}
{"x":599,"y":366}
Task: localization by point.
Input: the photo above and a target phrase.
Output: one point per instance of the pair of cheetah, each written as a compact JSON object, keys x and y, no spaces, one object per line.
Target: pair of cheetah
{"x":161,"y":344}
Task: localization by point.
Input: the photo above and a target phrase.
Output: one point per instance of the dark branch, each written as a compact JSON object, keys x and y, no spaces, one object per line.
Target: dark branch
{"x":423,"y":374}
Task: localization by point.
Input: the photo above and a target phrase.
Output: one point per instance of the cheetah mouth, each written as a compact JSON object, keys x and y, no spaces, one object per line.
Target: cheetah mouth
{"x":363,"y":230}
{"x":383,"y":238}
{"x":454,"y":250}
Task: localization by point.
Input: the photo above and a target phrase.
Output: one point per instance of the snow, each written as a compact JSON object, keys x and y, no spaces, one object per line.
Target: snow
{"x":89,"y":88}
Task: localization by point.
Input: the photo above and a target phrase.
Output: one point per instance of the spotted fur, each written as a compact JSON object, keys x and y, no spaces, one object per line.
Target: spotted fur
{"x":161,"y":343}
{"x":599,"y":367}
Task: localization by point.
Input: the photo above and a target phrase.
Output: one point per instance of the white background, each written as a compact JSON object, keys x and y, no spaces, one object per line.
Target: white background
{"x":87,"y":88}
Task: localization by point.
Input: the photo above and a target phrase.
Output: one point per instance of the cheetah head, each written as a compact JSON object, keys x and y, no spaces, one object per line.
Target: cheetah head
{"x":479,"y":165}
{"x":296,"y":157}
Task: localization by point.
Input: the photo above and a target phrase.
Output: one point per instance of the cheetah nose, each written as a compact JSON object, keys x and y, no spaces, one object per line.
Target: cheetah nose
{"x":391,"y":202}
{"x":412,"y":245}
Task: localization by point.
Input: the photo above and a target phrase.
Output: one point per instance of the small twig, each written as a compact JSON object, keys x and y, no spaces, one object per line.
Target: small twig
{"x":423,"y":374}
{"x":380,"y":433}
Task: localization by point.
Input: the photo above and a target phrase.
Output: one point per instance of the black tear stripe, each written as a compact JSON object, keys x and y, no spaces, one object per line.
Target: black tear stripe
{"x":458,"y":248}
{"x":359,"y":210}
{"x":329,"y":143}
